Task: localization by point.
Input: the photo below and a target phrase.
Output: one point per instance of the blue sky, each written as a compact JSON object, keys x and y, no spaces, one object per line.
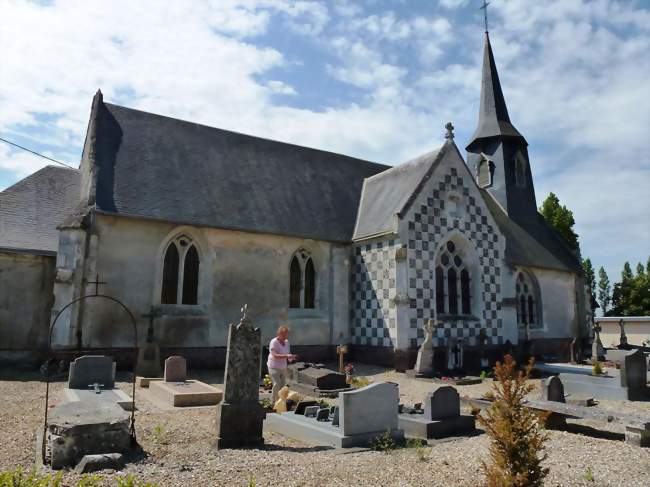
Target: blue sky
{"x":373,"y":79}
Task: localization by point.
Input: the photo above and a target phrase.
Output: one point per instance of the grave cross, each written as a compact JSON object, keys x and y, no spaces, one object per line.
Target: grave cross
{"x":97,"y":283}
{"x":96,"y":387}
{"x":151,"y":315}
{"x":341,"y":350}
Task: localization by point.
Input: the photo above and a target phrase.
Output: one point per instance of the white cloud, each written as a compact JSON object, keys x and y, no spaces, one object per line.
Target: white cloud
{"x":451,"y":4}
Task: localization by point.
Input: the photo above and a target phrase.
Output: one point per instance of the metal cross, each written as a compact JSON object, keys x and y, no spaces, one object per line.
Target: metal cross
{"x":96,"y":282}
{"x":484,"y":8}
{"x":151,"y":315}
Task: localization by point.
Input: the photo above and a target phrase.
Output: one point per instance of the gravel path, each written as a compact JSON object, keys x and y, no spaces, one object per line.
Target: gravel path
{"x":181,"y":454}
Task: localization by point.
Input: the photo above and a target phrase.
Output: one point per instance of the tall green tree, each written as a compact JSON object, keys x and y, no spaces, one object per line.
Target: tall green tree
{"x":590,"y":275}
{"x":604,"y":290}
{"x":560,"y":218}
{"x":631,"y":296}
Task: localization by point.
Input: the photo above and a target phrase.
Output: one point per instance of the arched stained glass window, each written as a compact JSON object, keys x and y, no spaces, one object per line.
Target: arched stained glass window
{"x":180,"y":276}
{"x":191,"y":276}
{"x":302,"y":281}
{"x":294,"y":283}
{"x":528,"y":304}
{"x":170,"y":276}
{"x":310,"y":284}
{"x":440,"y":290}
{"x":464,"y":292}
{"x":453,"y":291}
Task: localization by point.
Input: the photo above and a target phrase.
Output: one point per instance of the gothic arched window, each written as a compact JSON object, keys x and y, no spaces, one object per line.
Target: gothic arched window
{"x":302,"y":281}
{"x":453,"y":282}
{"x":180,"y":277}
{"x":520,"y":171}
{"x":528,"y":305}
{"x":484,"y":170}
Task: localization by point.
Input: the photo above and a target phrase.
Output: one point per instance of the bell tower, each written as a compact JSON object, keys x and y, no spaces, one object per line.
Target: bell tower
{"x":497,"y":152}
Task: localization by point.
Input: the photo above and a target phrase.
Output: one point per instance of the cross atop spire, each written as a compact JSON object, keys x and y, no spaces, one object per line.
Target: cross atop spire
{"x":484,"y":8}
{"x":493,"y":118}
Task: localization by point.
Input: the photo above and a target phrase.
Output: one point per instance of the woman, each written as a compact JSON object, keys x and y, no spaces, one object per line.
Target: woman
{"x":279,"y":354}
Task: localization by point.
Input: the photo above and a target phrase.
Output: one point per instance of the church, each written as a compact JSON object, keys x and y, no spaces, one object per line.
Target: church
{"x":184,"y":223}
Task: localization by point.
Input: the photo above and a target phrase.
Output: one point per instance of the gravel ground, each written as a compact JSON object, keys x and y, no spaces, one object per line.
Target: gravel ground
{"x":182,"y":454}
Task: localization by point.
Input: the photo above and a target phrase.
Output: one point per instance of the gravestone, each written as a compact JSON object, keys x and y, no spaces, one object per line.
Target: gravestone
{"x":634,"y":375}
{"x":552,"y":389}
{"x":175,"y":369}
{"x":149,"y":354}
{"x":440,"y":418}
{"x":597,"y":349}
{"x":92,"y":369}
{"x":455,"y":354}
{"x":482,"y":342}
{"x":80,"y":428}
{"x":424,"y":361}
{"x":361,"y":416}
{"x":239,"y":415}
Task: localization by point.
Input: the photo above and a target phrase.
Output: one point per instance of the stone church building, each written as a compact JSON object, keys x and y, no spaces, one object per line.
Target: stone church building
{"x":185,"y":223}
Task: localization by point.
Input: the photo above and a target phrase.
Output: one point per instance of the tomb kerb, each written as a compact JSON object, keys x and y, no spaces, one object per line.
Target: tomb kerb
{"x":239,"y":415}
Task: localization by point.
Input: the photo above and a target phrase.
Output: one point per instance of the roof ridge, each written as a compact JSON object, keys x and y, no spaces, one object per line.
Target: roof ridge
{"x":242,"y":134}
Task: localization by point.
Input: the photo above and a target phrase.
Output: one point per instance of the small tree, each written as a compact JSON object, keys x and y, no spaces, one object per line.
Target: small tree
{"x":515,"y":431}
{"x":604,"y":290}
{"x":590,"y":275}
{"x":560,"y":218}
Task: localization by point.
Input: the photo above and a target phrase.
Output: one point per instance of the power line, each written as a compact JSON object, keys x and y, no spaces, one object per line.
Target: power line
{"x":36,"y":153}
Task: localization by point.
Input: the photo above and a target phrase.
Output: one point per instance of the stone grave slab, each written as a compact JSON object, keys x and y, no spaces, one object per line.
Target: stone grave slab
{"x":91,"y":369}
{"x":584,"y":385}
{"x":440,"y":418}
{"x":79,"y":428}
{"x":116,"y":396}
{"x":316,"y":380}
{"x":362,"y":415}
{"x":144,"y":382}
{"x":185,"y":394}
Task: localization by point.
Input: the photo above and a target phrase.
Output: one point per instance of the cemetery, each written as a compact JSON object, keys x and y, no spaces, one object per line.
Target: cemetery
{"x":418,"y":315}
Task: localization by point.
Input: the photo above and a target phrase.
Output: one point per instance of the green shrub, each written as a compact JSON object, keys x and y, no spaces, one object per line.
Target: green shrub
{"x":589,"y":475}
{"x":384,"y":443}
{"x":359,"y":382}
{"x":420,"y":448}
{"x":159,"y":435}
{"x":516,"y":434}
{"x":598,"y":368}
{"x":18,"y":478}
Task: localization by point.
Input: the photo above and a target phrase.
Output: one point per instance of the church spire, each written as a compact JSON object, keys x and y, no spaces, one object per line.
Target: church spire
{"x":493,"y":119}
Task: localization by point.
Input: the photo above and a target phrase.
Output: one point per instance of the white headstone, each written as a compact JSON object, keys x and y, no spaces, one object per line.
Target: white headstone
{"x":373,"y":408}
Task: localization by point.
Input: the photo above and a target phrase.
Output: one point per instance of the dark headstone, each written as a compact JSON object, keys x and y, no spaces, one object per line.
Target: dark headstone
{"x":240,"y":415}
{"x":92,"y":369}
{"x":553,"y":390}
{"x":103,"y":461}
{"x":302,"y":405}
{"x":634,"y":375}
{"x":323,"y":414}
{"x":443,"y":403}
{"x":311,"y":411}
{"x":318,"y":376}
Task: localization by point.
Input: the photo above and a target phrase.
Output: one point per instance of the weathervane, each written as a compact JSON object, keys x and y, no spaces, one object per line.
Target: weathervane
{"x":484,"y":8}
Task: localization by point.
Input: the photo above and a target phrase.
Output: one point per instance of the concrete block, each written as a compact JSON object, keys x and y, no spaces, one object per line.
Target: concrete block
{"x":184,"y":394}
{"x":93,"y":463}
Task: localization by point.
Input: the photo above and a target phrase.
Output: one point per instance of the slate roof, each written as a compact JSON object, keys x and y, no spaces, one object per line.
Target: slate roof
{"x":31,"y":209}
{"x":156,"y":167}
{"x":385,"y":195}
{"x":536,"y":245}
{"x":493,"y":118}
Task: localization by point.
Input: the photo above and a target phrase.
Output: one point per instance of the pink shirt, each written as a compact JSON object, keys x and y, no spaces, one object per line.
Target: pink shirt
{"x":277,"y":347}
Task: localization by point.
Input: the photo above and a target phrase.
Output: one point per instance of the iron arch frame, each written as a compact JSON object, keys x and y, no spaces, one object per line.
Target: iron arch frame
{"x":49,"y":356}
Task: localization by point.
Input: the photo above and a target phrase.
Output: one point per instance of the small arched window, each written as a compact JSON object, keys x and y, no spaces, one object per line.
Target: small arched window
{"x":453,"y":283}
{"x":484,"y":170}
{"x":180,"y":282}
{"x":302,"y":281}
{"x":520,"y":171}
{"x":528,"y":311}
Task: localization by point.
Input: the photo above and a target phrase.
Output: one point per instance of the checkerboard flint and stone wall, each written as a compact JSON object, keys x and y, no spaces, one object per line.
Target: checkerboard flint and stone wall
{"x":374,"y":315}
{"x":428,"y":227}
